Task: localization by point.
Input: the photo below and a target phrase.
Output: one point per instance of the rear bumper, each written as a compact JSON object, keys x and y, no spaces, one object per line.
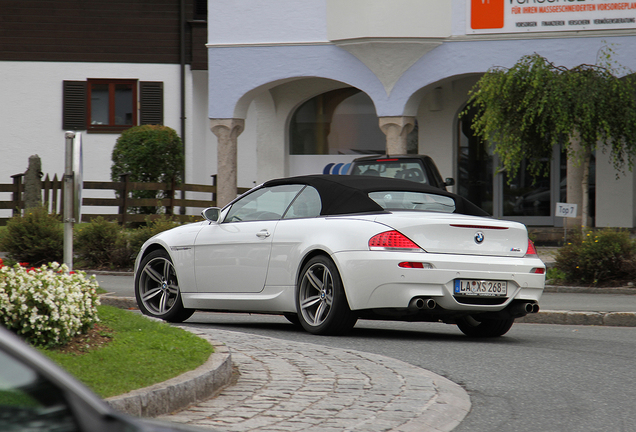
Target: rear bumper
{"x":373,"y":279}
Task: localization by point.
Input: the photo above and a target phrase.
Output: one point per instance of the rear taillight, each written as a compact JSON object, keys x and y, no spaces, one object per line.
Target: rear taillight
{"x":531,"y":252}
{"x":392,"y":240}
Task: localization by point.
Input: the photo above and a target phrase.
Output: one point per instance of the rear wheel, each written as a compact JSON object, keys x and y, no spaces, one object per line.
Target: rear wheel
{"x":321,"y":300}
{"x":474,"y":326}
{"x":157,"y":288}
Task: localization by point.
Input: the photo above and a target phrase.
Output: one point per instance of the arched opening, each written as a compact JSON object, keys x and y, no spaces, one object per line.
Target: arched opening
{"x":339,"y":122}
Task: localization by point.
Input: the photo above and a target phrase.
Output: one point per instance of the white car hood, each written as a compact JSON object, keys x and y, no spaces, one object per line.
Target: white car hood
{"x":460,"y":234}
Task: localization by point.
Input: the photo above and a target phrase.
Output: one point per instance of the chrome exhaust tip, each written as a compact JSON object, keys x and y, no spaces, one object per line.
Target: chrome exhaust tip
{"x":422,"y":303}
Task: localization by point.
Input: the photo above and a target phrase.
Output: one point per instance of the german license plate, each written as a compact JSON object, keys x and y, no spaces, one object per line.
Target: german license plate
{"x":481,"y":288}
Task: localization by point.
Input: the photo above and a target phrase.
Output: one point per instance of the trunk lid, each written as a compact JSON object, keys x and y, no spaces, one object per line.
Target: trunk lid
{"x":460,"y":234}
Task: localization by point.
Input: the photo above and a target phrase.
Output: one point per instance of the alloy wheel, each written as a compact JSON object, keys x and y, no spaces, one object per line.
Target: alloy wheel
{"x":158,"y":286}
{"x":316,"y":294}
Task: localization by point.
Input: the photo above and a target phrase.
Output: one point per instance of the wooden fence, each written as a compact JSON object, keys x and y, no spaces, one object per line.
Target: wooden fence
{"x":53,"y":198}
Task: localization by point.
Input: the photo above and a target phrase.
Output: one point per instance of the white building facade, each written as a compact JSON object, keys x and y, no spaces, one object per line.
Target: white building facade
{"x":305,"y":86}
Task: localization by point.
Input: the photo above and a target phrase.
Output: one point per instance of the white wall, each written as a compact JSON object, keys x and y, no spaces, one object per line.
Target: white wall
{"x":232,"y":22}
{"x":31,"y":114}
{"x":615,"y":198}
{"x":437,"y":121}
{"x":354,"y":19}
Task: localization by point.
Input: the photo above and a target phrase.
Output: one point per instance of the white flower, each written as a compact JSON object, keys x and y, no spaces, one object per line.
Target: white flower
{"x":49,"y":302}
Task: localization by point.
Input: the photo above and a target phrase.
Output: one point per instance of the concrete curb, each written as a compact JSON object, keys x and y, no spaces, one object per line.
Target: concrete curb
{"x":180,"y":392}
{"x":589,"y":290}
{"x":614,"y":319}
{"x":118,"y":302}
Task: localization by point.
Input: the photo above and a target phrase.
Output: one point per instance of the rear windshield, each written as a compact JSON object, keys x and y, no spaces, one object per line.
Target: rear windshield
{"x":396,"y":200}
{"x":401,"y":169}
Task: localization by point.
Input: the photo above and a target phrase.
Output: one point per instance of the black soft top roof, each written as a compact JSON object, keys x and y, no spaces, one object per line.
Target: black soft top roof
{"x":345,"y":194}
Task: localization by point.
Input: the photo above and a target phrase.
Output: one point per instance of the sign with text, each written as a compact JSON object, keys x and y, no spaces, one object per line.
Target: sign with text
{"x":565,"y":210}
{"x":519,"y":16}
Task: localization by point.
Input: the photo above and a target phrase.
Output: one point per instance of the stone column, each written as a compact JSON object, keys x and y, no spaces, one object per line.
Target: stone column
{"x":33,"y":183}
{"x":396,"y":130}
{"x":227,"y":132}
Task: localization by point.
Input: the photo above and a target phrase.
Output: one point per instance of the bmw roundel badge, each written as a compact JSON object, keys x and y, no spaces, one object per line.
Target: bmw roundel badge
{"x":479,"y":237}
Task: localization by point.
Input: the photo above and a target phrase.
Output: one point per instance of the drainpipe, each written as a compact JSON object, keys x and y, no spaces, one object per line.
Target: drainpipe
{"x":182,"y":34}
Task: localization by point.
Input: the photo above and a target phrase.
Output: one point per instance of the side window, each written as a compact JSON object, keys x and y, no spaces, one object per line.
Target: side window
{"x":307,"y":204}
{"x":104,"y":105}
{"x":263,"y":204}
{"x":29,"y":402}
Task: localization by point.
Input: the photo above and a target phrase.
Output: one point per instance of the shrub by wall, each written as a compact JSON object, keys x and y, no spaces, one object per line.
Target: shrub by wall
{"x":138,"y":236}
{"x":101,"y":244}
{"x":35,"y":238}
{"x":148,"y":153}
{"x":598,"y":257}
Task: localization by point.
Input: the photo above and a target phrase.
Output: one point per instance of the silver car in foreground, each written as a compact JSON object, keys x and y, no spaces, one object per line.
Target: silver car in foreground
{"x":36,"y":395}
{"x":326,"y":251}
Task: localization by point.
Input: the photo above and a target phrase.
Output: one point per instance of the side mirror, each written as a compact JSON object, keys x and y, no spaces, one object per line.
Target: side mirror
{"x":449,"y":181}
{"x":211,"y":214}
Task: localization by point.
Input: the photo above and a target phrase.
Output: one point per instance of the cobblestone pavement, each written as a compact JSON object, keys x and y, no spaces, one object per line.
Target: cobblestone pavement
{"x":291,"y":386}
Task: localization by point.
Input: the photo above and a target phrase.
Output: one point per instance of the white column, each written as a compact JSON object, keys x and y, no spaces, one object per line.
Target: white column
{"x":227,"y":132}
{"x":396,"y":130}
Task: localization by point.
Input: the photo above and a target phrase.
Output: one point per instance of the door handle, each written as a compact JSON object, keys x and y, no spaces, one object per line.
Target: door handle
{"x":263,"y":234}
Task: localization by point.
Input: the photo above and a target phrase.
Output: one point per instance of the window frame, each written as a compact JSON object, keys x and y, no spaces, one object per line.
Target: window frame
{"x":112,"y":83}
{"x":148,"y":105}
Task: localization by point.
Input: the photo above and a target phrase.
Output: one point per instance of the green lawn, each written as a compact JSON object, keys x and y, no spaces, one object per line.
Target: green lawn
{"x":141,"y":352}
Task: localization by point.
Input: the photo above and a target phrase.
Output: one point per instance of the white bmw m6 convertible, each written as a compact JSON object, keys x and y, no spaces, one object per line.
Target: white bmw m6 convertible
{"x":325,"y":251}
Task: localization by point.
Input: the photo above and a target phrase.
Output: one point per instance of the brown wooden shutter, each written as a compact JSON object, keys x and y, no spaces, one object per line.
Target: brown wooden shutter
{"x":74,"y":105}
{"x":150,"y":103}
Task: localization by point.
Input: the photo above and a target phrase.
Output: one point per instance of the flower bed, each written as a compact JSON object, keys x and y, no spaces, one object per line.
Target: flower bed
{"x":47,"y":305}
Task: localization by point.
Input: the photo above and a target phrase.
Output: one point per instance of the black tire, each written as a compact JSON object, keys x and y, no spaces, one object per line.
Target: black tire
{"x":320,"y":299}
{"x":484,"y":328}
{"x":157,"y":288}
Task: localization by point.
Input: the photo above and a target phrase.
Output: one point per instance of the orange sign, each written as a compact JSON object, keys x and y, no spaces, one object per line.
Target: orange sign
{"x":487,"y":14}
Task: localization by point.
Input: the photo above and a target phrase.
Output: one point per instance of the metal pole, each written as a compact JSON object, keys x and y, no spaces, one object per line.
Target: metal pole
{"x":68,"y":201}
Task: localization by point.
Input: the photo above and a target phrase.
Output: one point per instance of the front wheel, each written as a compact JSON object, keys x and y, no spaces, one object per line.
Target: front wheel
{"x":474,"y":326}
{"x":321,"y":301}
{"x":157,"y":288}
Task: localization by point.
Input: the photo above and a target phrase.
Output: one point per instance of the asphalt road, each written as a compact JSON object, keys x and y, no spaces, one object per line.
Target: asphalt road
{"x":536,"y":378}
{"x":122,"y":286}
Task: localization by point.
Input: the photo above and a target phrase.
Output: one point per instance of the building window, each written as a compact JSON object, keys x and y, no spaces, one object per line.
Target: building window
{"x":101,"y":105}
{"x":111,"y":105}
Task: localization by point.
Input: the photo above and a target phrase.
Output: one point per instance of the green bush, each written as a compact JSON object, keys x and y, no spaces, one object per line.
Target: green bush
{"x":35,"y":238}
{"x":598,"y":257}
{"x":138,"y":236}
{"x":148,"y":153}
{"x":48,"y":305}
{"x":101,"y":244}
{"x":104,"y":244}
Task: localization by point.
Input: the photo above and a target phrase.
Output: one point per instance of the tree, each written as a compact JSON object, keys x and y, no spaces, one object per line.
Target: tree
{"x":526,"y":110}
{"x":148,"y":153}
